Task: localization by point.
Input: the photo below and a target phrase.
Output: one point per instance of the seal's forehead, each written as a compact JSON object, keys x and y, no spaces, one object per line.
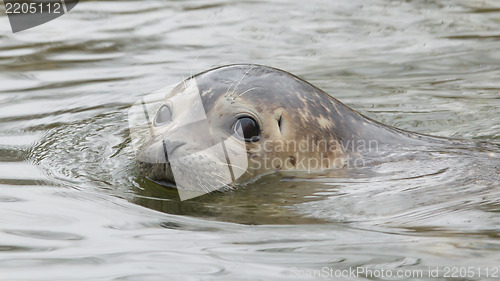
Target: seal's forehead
{"x":232,"y":75}
{"x":267,"y":89}
{"x":223,"y":78}
{"x":264,"y":89}
{"x":255,"y":82}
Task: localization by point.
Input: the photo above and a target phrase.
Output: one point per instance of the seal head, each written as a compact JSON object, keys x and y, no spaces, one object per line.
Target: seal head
{"x":234,"y":123}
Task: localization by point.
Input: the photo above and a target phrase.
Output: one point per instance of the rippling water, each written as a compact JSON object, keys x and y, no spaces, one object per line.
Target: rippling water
{"x":73,"y":206}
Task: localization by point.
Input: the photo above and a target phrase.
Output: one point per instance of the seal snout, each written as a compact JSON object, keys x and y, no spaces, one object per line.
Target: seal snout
{"x":169,"y":148}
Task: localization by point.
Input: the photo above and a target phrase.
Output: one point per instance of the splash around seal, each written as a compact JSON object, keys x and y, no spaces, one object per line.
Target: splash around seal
{"x":231,"y":124}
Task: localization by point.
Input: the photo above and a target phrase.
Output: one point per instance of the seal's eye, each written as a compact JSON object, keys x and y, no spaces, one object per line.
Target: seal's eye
{"x":163,"y":116}
{"x":249,"y":127}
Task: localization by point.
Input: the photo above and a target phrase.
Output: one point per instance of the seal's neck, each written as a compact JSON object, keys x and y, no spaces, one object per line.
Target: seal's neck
{"x":363,"y":130}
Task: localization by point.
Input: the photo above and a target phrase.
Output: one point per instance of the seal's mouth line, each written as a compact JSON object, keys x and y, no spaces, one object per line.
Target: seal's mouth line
{"x":164,"y":182}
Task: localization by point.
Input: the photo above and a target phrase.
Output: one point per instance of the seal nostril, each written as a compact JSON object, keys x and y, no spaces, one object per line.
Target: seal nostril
{"x":169,"y":147}
{"x":165,"y":151}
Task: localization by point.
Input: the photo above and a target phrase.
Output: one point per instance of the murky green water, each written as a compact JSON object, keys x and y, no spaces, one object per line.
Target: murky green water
{"x":73,"y":206}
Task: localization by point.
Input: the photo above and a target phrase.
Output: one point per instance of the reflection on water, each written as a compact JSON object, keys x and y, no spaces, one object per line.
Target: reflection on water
{"x":73,"y":205}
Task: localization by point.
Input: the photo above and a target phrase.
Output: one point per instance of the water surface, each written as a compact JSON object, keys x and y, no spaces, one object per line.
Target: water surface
{"x":74,"y":207}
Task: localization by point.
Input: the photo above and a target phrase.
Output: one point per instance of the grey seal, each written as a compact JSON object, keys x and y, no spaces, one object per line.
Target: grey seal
{"x":234,"y":123}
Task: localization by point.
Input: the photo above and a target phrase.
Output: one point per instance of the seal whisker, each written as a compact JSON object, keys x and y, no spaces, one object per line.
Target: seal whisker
{"x":192,"y":65}
{"x":251,"y":89}
{"x":209,"y":187}
{"x":231,"y":165}
{"x":221,"y":182}
{"x":238,"y":167}
{"x":212,"y":175}
{"x":229,"y":88}
{"x":241,"y":79}
{"x":244,"y":74}
{"x":184,"y":81}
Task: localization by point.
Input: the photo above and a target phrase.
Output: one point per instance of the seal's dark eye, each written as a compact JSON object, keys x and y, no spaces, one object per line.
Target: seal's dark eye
{"x":163,"y":116}
{"x":248,"y":127}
